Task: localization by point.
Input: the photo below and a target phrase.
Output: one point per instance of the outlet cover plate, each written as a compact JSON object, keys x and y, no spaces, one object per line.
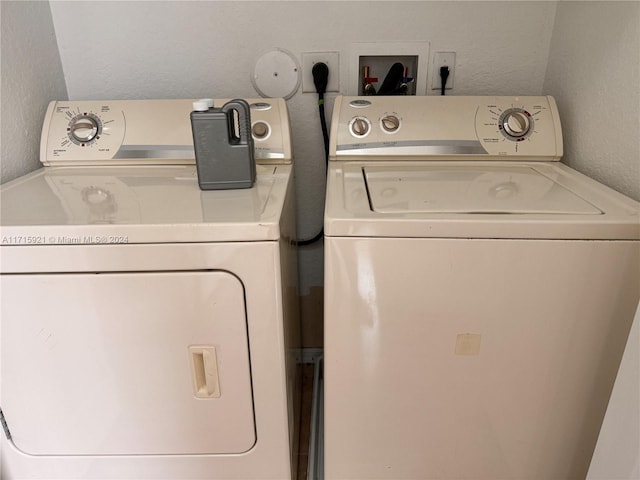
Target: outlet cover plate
{"x":332,"y":59}
{"x":443,"y":59}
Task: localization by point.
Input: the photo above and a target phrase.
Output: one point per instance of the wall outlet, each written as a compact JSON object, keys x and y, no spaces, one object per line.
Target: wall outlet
{"x":332,"y":59}
{"x":443,"y":59}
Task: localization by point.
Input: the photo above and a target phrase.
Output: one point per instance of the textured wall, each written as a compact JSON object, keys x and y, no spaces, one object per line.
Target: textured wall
{"x":31,"y":78}
{"x":594,"y":73}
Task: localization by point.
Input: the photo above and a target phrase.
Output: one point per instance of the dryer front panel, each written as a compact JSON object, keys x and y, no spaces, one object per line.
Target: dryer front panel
{"x":126,"y":363}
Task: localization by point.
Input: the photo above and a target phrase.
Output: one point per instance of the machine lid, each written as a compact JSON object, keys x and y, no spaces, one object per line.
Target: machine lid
{"x":474,"y":189}
{"x":138,"y":204}
{"x":471,"y":199}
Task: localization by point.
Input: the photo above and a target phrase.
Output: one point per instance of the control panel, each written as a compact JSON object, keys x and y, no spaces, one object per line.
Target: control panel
{"x":138,"y":132}
{"x":445,"y":127}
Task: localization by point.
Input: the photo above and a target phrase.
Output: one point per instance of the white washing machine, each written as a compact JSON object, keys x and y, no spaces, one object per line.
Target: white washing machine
{"x":149,"y":329}
{"x":478,"y":292}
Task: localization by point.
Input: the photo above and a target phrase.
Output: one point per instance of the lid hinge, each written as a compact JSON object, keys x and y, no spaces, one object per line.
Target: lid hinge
{"x":5,"y":427}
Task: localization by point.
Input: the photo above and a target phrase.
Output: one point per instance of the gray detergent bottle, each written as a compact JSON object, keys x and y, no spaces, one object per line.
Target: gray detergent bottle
{"x":223,"y":145}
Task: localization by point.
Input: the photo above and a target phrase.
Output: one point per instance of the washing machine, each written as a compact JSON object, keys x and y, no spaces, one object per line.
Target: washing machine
{"x":479,"y":293}
{"x":149,"y":329}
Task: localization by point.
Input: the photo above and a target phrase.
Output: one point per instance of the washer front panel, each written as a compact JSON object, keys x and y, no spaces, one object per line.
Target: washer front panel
{"x":471,"y":358}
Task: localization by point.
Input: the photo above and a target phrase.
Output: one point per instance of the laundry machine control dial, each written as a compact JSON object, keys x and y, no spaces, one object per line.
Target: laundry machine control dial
{"x":515,"y":123}
{"x":260,"y":130}
{"x":390,"y":123}
{"x":360,"y":127}
{"x":84,"y":128}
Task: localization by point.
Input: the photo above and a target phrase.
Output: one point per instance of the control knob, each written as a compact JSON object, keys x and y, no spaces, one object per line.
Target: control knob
{"x":260,"y":130}
{"x":390,"y":123}
{"x":360,"y":126}
{"x":84,"y":128}
{"x":516,"y":123}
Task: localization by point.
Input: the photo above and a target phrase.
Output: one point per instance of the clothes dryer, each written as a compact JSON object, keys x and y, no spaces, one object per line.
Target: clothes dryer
{"x":149,"y":329}
{"x":478,"y":292}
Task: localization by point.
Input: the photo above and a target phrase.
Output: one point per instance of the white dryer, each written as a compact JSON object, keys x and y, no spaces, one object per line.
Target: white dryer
{"x":149,"y":329}
{"x":478,"y":293}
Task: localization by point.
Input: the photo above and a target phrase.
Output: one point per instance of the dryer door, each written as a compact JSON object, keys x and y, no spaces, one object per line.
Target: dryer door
{"x":126,"y":363}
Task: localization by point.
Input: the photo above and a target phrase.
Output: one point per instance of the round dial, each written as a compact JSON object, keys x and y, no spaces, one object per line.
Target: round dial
{"x":390,"y":123}
{"x":260,"y":130}
{"x":84,"y":128}
{"x":360,"y":127}
{"x":516,"y":124}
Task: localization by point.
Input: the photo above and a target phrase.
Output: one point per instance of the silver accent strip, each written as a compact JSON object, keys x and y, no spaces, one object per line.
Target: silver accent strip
{"x":181,"y":152}
{"x":415,"y":147}
{"x":269,"y":154}
{"x":155,"y":151}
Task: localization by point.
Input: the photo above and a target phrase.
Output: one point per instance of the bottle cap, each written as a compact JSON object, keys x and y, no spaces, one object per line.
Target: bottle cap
{"x":200,"y":106}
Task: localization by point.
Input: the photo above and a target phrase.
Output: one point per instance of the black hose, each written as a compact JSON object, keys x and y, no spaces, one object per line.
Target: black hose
{"x":320,"y":78}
